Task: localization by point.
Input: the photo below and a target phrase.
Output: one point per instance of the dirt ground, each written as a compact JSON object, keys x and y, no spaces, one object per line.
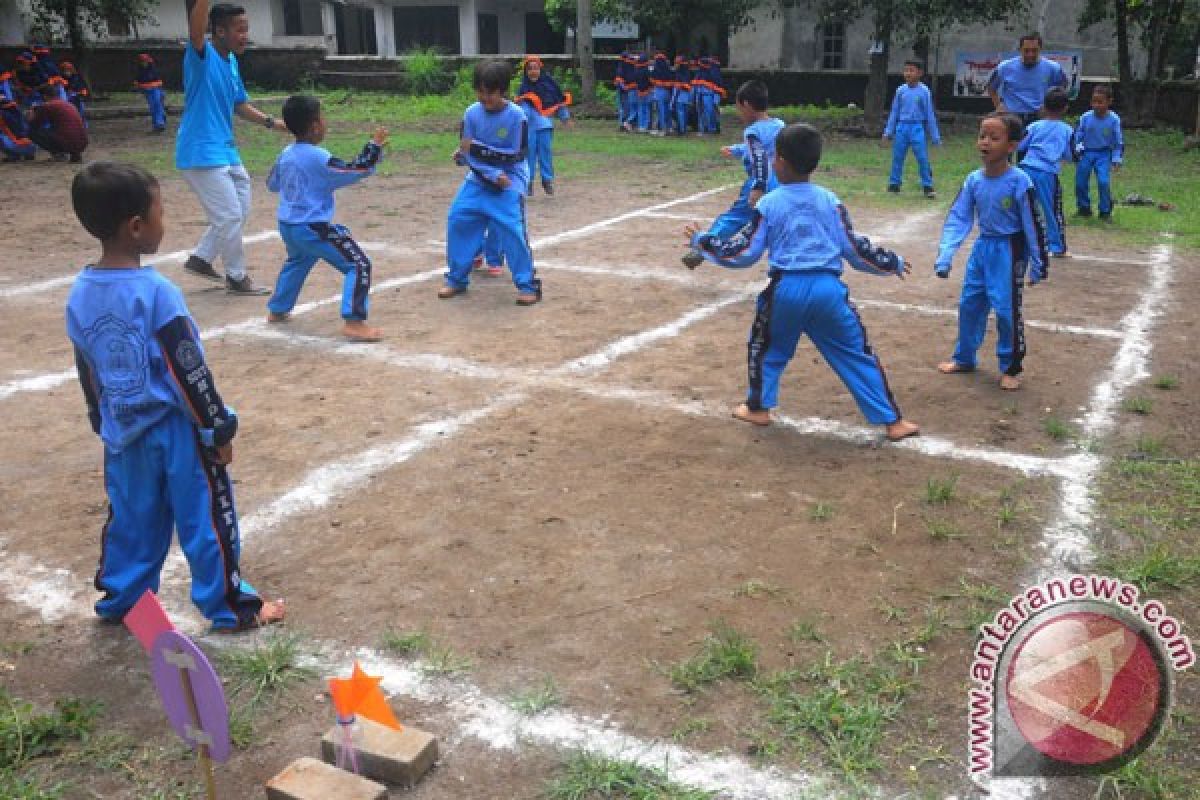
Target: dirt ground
{"x":585,"y":522}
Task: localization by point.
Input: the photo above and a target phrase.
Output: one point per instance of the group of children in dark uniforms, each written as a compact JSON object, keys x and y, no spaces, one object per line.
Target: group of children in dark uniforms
{"x":660,"y":99}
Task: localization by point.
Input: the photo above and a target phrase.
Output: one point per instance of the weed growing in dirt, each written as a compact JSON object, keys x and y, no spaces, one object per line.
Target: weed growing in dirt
{"x":1138,"y":404}
{"x":1006,"y":515}
{"x":689,"y":728}
{"x":804,"y":630}
{"x":407,"y":643}
{"x":1154,"y":568}
{"x":1056,"y":429}
{"x":725,"y":653}
{"x":755,"y":589}
{"x":266,"y":670}
{"x":26,"y":734}
{"x":536,"y":700}
{"x":890,"y":612}
{"x":940,"y":491}
{"x":1166,"y":382}
{"x":1150,"y":446}
{"x":437,"y":659}
{"x":15,"y":785}
{"x":942,"y":531}
{"x":820,"y":512}
{"x":588,"y":776}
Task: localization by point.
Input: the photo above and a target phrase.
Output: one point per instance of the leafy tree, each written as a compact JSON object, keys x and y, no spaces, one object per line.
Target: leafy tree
{"x":661,"y":17}
{"x":1164,"y":27}
{"x":70,"y":21}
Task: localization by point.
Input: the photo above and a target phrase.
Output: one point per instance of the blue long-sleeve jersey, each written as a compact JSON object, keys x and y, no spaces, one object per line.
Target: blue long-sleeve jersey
{"x":1005,"y":206}
{"x":1046,"y":145}
{"x":758,"y":152}
{"x":1101,"y":133}
{"x":306,"y":176}
{"x":1023,"y":89}
{"x":913,"y":104}
{"x":499,"y":146}
{"x":804,"y":228}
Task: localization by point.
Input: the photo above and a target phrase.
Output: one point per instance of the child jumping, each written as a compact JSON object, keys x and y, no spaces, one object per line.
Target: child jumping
{"x":542,"y":101}
{"x":1099,"y":146}
{"x":492,"y":198}
{"x":807,"y":232}
{"x":911,"y":121}
{"x":1046,"y":145}
{"x":150,"y":84}
{"x":1010,"y":244}
{"x":167,"y":434}
{"x":757,"y":152}
{"x":306,"y":176}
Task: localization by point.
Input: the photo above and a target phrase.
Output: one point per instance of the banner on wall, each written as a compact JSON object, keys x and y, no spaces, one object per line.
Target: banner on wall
{"x":972,"y":69}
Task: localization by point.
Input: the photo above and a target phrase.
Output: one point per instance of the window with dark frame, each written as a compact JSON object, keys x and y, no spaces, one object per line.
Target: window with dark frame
{"x":117,"y":23}
{"x":833,"y":45}
{"x":302,"y":18}
{"x":420,"y":27}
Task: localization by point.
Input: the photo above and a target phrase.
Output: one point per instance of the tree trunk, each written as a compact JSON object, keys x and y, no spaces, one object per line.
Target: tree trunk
{"x":583,"y":50}
{"x":876,"y":99}
{"x":1124,"y":66}
{"x":921,"y":53}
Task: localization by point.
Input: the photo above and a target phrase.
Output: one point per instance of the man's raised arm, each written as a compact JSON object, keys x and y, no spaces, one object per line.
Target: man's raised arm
{"x":197,"y":11}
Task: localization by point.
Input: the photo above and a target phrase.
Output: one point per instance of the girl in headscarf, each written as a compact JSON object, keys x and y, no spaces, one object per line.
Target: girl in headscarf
{"x":543,"y":101}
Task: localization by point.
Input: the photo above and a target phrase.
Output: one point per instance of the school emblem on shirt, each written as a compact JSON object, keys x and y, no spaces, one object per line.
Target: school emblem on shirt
{"x":118,"y":351}
{"x":502,"y":132}
{"x":1006,"y":203}
{"x":188,"y":355}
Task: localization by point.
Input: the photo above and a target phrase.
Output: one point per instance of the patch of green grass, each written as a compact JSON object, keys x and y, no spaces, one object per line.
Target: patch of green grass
{"x":940,"y":491}
{"x":588,"y":776}
{"x":820,"y":512}
{"x":689,"y":728}
{"x":804,"y":630}
{"x":407,"y":643}
{"x":437,"y":659}
{"x":536,"y":700}
{"x":890,"y":612}
{"x":724,"y":653}
{"x":756,"y":588}
{"x":267,"y":669}
{"x":1056,"y":429}
{"x":17,"y":785}
{"x":26,"y":734}
{"x":1154,"y":568}
{"x":1006,"y":515}
{"x":942,"y":531}
{"x":1138,"y":405}
{"x":1166,"y":382}
{"x":442,"y":660}
{"x":1150,"y":446}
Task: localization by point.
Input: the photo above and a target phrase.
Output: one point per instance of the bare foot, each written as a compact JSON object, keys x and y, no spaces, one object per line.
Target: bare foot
{"x":952,"y":367}
{"x":1010,"y":383}
{"x":902,"y":429}
{"x":446,"y":292}
{"x":277,"y":317}
{"x":359,"y":331}
{"x":1063,"y":254}
{"x":271,"y":613}
{"x":761,"y":417}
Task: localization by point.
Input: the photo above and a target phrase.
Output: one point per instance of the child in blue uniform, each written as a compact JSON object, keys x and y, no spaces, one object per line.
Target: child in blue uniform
{"x":306,"y":176}
{"x":1099,"y":146}
{"x":15,"y":143}
{"x":78,"y":93}
{"x":629,"y":93}
{"x":167,"y":434}
{"x":1010,"y":244}
{"x":1046,"y":145}
{"x":807,"y":232}
{"x":150,"y":84}
{"x":643,"y":88}
{"x":542,"y":101}
{"x":492,"y":198}
{"x":662,"y":78}
{"x":620,"y":82}
{"x":912,"y":121}
{"x":708,"y":93}
{"x":757,"y":152}
{"x":682,"y":101}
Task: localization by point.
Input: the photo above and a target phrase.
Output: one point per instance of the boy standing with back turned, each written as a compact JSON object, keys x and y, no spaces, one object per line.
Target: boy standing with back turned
{"x":1046,"y":145}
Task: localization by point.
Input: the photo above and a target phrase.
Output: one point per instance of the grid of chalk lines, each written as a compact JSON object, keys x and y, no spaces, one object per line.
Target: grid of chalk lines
{"x":54,"y":592}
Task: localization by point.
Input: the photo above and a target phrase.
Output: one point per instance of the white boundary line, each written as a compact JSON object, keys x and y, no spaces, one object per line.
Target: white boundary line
{"x":670,"y":215}
{"x":1106,"y":260}
{"x":587,"y":230}
{"x":167,"y":258}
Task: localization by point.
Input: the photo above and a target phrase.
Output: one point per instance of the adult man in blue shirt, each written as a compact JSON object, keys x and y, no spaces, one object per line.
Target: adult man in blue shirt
{"x":205,"y":150}
{"x":1019,"y":85}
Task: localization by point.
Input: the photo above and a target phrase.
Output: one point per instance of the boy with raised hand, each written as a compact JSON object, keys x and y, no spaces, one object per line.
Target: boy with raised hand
{"x":1046,"y":145}
{"x":493,"y":146}
{"x":1010,"y":245}
{"x":757,"y":152}
{"x":1099,"y":146}
{"x":806,"y":232}
{"x":305,"y":176}
{"x":168,"y":436}
{"x":909,"y":124}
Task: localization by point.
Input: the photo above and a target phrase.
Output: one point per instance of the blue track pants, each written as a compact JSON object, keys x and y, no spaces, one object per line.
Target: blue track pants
{"x":662,"y":108}
{"x":541,"y":145}
{"x":733,"y":220}
{"x":1100,"y":162}
{"x":167,"y":479}
{"x":910,"y":135}
{"x":993,"y":282}
{"x":477,"y":209}
{"x":1049,"y":194}
{"x":158,"y":109}
{"x":11,"y":149}
{"x":707,"y":111}
{"x":818,"y":304}
{"x":630,"y":96}
{"x":308,"y":243}
{"x":683,"y":105}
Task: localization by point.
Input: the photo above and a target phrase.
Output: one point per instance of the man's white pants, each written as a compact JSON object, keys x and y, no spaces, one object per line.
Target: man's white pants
{"x":225,"y":194}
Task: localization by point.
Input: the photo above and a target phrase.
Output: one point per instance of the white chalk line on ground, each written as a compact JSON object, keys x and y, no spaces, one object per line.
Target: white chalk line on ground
{"x":587,"y":230}
{"x":1108,"y":260}
{"x":167,"y":258}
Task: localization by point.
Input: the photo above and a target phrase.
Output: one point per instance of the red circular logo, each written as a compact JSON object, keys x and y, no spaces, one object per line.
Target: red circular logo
{"x":1084,"y":688}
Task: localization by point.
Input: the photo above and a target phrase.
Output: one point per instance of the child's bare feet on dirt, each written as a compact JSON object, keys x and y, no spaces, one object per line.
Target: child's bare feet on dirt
{"x":1010,"y":383}
{"x":760,"y":417}
{"x":358,"y":331}
{"x":902,"y":429}
{"x":277,"y":317}
{"x":272,"y":612}
{"x":952,"y":367}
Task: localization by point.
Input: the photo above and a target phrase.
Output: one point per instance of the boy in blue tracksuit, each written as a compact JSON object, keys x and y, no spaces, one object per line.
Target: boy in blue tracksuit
{"x":150,"y":84}
{"x":708,"y":94}
{"x":757,"y":152}
{"x":912,"y":121}
{"x":1046,"y":145}
{"x":644,"y":88}
{"x":662,"y":78}
{"x":1010,"y":244}
{"x":807,"y":232}
{"x":492,"y":198}
{"x":681,"y":103}
{"x":167,"y":434}
{"x":305,"y":176}
{"x":540,"y":97}
{"x":1099,"y":146}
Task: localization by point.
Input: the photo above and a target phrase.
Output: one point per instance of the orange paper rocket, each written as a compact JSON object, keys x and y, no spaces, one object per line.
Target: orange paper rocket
{"x":360,"y":695}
